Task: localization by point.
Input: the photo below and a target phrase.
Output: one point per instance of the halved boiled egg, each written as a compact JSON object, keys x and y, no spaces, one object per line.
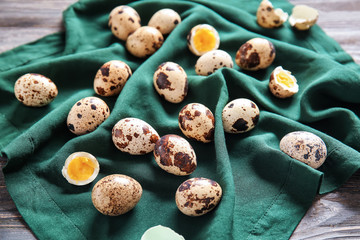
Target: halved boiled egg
{"x":203,"y":38}
{"x":80,"y":168}
{"x":282,"y":84}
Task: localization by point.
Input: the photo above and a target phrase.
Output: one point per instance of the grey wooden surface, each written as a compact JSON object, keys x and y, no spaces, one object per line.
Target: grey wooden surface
{"x":335,"y":215}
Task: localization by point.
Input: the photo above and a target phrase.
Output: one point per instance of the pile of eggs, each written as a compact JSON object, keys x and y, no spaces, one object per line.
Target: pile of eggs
{"x":117,"y":194}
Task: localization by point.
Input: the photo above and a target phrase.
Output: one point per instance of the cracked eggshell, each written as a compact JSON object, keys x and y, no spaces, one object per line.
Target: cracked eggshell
{"x":124,"y":20}
{"x":116,"y":194}
{"x":170,"y":81}
{"x":303,"y":17}
{"x":240,"y":115}
{"x":282,"y":84}
{"x":175,"y":155}
{"x":203,"y":38}
{"x":255,"y":54}
{"x":86,"y":115}
{"x":35,"y":90}
{"x":198,"y":196}
{"x":161,"y":233}
{"x":165,"y":20}
{"x":134,"y":136}
{"x":197,"y":122}
{"x":268,"y":17}
{"x":144,"y":41}
{"x":211,"y":61}
{"x":305,"y":147}
{"x":111,"y":78}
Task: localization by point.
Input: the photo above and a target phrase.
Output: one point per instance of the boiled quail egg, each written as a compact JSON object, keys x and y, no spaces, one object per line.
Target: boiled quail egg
{"x":165,"y":20}
{"x":203,"y":38}
{"x":211,"y":61}
{"x":282,"y":84}
{"x":124,"y":20}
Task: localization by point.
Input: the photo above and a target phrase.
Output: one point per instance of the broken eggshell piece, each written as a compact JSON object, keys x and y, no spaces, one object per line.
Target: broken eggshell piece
{"x":161,"y":233}
{"x":303,"y":17}
{"x":268,"y":17}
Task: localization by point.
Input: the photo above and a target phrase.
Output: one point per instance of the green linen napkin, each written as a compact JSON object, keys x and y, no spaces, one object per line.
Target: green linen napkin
{"x":265,"y":192}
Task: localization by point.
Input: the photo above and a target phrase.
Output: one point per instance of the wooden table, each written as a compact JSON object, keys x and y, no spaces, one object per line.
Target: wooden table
{"x":334,"y":215}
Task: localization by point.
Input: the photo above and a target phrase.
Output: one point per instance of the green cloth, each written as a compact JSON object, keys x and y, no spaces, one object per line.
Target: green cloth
{"x":265,"y":192}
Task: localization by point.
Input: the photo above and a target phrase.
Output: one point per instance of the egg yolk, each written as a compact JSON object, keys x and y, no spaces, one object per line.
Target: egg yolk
{"x":80,"y":168}
{"x":285,"y":79}
{"x":204,"y":40}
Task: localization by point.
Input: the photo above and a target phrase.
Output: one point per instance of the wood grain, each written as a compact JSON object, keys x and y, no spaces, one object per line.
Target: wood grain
{"x":332,"y":216}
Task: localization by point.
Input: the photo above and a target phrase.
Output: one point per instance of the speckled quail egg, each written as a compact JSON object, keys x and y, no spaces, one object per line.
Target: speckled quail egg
{"x":80,"y":168}
{"x":124,"y":20}
{"x":303,"y":17}
{"x":240,"y":115}
{"x":198,"y":196}
{"x":161,"y":233}
{"x":116,"y":194}
{"x":35,"y":90}
{"x":134,"y":136}
{"x":305,"y":147}
{"x":282,"y":84}
{"x":86,"y":115}
{"x":268,"y":17}
{"x":144,"y":41}
{"x":255,"y":54}
{"x":175,"y":155}
{"x":197,"y":122}
{"x":203,"y":38}
{"x":165,"y":20}
{"x":111,"y":78}
{"x":211,"y":61}
{"x":170,"y":81}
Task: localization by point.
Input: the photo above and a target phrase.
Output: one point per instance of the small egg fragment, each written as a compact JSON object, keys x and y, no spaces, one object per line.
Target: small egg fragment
{"x":170,"y":81}
{"x":240,"y":115}
{"x":305,"y":147}
{"x":175,"y":155}
{"x":86,"y":115}
{"x":35,"y":90}
{"x":161,"y":233}
{"x":123,"y":20}
{"x":203,"y":38}
{"x":303,"y":17}
{"x":211,"y":61}
{"x":165,"y":20}
{"x":255,"y":54}
{"x":197,"y":122}
{"x":198,"y":196}
{"x":134,"y":136}
{"x":80,"y":168}
{"x":111,"y":78}
{"x":144,"y":41}
{"x":282,"y":84}
{"x":268,"y":17}
{"x":116,"y":194}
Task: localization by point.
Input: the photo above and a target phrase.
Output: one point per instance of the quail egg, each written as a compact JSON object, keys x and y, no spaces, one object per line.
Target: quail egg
{"x":240,"y":115}
{"x":175,"y":155}
{"x":111,"y":78}
{"x":268,"y":17}
{"x":305,"y":147}
{"x":161,"y":233}
{"x":35,"y":90}
{"x":86,"y":115}
{"x":165,"y":20}
{"x":198,"y":196}
{"x":303,"y":17}
{"x":170,"y":81}
{"x":255,"y":54}
{"x":80,"y":168}
{"x":197,"y":122}
{"x":144,"y":41}
{"x":116,"y":194}
{"x":203,"y":38}
{"x":211,"y":61}
{"x":134,"y":136}
{"x":282,"y":84}
{"x":124,"y":20}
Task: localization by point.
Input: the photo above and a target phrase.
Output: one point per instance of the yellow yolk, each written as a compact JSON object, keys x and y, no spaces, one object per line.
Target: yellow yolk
{"x":285,"y":79}
{"x":80,"y":168}
{"x":204,"y":40}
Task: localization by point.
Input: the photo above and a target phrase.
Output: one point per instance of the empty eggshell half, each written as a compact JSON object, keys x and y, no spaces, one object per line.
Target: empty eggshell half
{"x":305,"y":147}
{"x":268,"y":17}
{"x":123,"y":20}
{"x":211,"y":61}
{"x":161,"y":233}
{"x":282,"y":84}
{"x":165,"y":20}
{"x":303,"y":17}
